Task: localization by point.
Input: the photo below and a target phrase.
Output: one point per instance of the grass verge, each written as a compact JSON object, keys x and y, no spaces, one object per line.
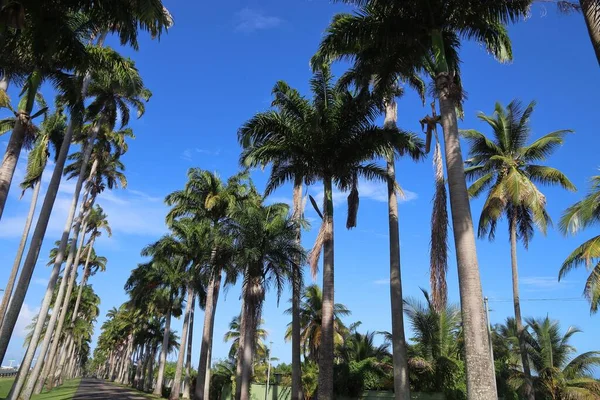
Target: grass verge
{"x":64,"y":392}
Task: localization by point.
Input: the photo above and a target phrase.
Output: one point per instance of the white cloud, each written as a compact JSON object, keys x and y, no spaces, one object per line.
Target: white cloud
{"x":248,"y":20}
{"x":385,"y":281}
{"x":188,"y":154}
{"x":376,"y":191}
{"x":24,"y":319}
{"x":542,"y":282}
{"x":41,"y":281}
{"x":134,"y":212}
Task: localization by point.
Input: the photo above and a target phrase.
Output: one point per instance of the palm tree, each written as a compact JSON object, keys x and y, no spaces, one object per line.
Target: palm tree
{"x":341,"y":120}
{"x":359,"y":347}
{"x":49,"y":135}
{"x":435,"y":355}
{"x":125,"y":20}
{"x":235,"y":333}
{"x":311,"y":306}
{"x":581,"y":215}
{"x":507,"y":168}
{"x":125,"y":82}
{"x":206,"y":197}
{"x":109,"y":95}
{"x":266,"y":250}
{"x":560,"y":373}
{"x":269,"y":137}
{"x":426,"y":36}
{"x":160,"y":281}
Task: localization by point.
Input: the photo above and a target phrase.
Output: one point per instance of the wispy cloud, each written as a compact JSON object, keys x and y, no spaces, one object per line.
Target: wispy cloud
{"x":376,"y":191}
{"x":248,"y":20}
{"x":189,"y":154}
{"x":385,"y":281}
{"x":41,"y":281}
{"x":25,"y":316}
{"x":542,"y":282}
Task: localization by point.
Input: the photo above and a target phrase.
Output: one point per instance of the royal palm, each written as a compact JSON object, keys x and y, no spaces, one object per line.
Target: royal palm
{"x":426,"y":36}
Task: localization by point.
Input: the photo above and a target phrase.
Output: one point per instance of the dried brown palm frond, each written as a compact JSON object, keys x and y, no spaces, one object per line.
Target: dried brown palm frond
{"x":315,"y":253}
{"x":353,"y":202}
{"x":439,"y":235}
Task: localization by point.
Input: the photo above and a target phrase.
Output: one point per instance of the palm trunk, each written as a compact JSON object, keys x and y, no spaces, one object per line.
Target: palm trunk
{"x":84,"y":279}
{"x":212,"y":296}
{"x":37,"y":240}
{"x":59,"y":369}
{"x":253,"y":298}
{"x":528,"y":384}
{"x":591,"y":14}
{"x":17,"y":138}
{"x":401,"y":384}
{"x":296,"y":292}
{"x":163,"y":354}
{"x":481,"y":382}
{"x":19,"y":257}
{"x":239,"y":355}
{"x":19,"y":383}
{"x":175,"y":389}
{"x":150,"y":377}
{"x":146,"y":365}
{"x":62,"y":298}
{"x":325,"y":389}
{"x":188,"y":364}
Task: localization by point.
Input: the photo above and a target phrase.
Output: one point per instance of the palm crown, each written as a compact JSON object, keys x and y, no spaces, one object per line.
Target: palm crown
{"x":507,"y":166}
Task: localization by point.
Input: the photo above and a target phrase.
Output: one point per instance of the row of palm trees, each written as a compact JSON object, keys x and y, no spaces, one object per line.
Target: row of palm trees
{"x":216,"y":228}
{"x":62,"y":44}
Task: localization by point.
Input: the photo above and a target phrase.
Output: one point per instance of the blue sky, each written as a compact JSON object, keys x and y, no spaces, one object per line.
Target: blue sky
{"x":215,"y":69}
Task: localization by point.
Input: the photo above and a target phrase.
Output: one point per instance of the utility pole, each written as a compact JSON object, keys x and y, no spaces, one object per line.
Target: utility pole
{"x":268,"y":369}
{"x":489,"y":327}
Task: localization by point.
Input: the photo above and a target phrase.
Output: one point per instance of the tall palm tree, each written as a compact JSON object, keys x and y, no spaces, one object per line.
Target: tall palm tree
{"x":581,"y":215}
{"x":311,"y":307}
{"x":426,"y":35}
{"x":110,"y":93}
{"x":126,"y":81}
{"x":207,"y":197}
{"x":266,"y":250}
{"x":125,"y":20}
{"x":560,"y":373}
{"x":160,"y":281}
{"x":506,"y":166}
{"x":49,"y":136}
{"x":344,"y":121}
{"x":234,"y":334}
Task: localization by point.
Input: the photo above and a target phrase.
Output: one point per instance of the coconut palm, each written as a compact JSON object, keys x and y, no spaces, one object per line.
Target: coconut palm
{"x":434,"y":356}
{"x":426,"y":35}
{"x":234,"y":334}
{"x":561,"y":373}
{"x":506,"y":167}
{"x":581,"y":215}
{"x":266,"y":250}
{"x":49,"y":136}
{"x":207,"y":197}
{"x":311,"y":306}
{"x":361,"y":346}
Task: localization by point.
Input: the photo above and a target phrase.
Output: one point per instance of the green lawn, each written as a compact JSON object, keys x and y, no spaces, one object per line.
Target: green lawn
{"x":65,"y":392}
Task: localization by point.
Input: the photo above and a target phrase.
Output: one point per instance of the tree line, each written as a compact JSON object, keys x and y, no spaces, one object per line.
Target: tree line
{"x":223,"y":231}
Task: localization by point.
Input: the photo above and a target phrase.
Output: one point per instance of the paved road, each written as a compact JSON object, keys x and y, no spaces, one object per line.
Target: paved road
{"x":95,"y":389}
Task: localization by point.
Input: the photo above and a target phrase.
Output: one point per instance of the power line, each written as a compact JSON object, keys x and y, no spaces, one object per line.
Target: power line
{"x":492,"y":300}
